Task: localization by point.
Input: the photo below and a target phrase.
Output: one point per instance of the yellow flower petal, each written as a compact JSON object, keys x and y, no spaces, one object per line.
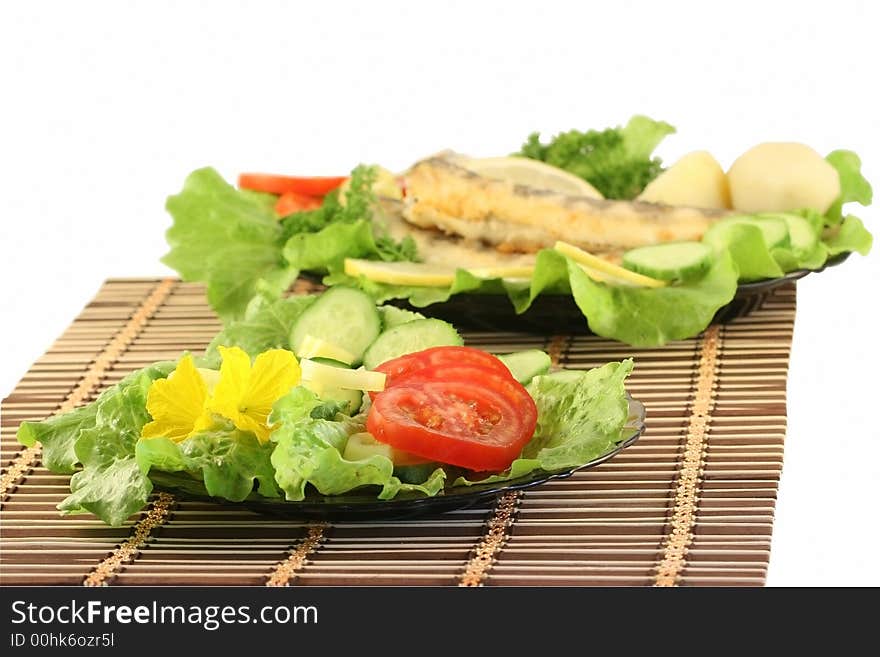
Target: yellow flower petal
{"x":177,"y":404}
{"x":245,"y":393}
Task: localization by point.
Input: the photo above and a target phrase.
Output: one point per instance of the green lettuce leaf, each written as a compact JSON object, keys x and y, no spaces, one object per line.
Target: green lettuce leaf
{"x":227,"y":461}
{"x":851,"y":235}
{"x":111,"y":484}
{"x":750,"y":253}
{"x":58,"y":435}
{"x":581,"y":416}
{"x":854,"y":187}
{"x":645,"y":317}
{"x":229,"y":239}
{"x":637,"y":316}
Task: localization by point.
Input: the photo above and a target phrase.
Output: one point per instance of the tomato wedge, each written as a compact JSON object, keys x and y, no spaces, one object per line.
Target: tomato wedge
{"x":274,"y":184}
{"x":398,"y":369}
{"x":480,"y":424}
{"x":291,"y":202}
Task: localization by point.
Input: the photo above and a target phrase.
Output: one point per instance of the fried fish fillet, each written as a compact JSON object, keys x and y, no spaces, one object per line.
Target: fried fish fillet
{"x":443,"y":194}
{"x":438,"y":248}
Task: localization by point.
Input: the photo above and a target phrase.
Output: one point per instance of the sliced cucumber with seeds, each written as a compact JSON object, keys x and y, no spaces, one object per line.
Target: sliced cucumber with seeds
{"x":341,"y":316}
{"x":526,"y":365}
{"x":410,"y":337}
{"x":671,"y":261}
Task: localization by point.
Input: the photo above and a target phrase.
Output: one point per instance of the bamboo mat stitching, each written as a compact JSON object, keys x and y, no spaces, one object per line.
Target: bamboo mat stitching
{"x":288,"y":569}
{"x":128,"y":551}
{"x":680,"y":534}
{"x":503,"y":515}
{"x":27,"y":459}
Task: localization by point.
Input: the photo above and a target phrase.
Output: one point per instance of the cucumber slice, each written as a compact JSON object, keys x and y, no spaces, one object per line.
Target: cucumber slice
{"x":362,"y":446}
{"x":526,"y":365}
{"x":334,"y":393}
{"x":415,"y":474}
{"x":333,"y":376}
{"x":671,"y":261}
{"x":341,"y":316}
{"x":409,"y":338}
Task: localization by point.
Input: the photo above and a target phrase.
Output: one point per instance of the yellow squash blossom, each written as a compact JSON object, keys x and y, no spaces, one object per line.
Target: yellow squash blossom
{"x":245,"y":393}
{"x":177,"y":404}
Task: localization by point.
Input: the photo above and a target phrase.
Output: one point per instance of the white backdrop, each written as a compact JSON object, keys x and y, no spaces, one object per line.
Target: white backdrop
{"x":106,"y":106}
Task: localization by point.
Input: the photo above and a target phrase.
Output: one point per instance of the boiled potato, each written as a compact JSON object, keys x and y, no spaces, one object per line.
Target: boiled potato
{"x":696,"y":180}
{"x":780,"y":176}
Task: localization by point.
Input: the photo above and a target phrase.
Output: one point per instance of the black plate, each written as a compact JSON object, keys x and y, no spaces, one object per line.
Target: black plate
{"x":558,"y":313}
{"x":365,"y":506}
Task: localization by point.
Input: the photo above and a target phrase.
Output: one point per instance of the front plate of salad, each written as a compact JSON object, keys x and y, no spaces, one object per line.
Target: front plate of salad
{"x":331,"y":406}
{"x":365,"y":506}
{"x":645,"y":253}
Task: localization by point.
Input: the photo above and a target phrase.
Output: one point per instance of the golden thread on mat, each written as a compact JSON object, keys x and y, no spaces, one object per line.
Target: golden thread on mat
{"x":493,"y":540}
{"x":25,"y":460}
{"x":125,"y":553}
{"x":290,"y":567}
{"x":504,"y":514}
{"x":680,"y":536}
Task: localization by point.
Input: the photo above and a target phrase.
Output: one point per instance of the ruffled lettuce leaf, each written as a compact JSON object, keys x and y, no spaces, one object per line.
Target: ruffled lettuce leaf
{"x":111,"y":484}
{"x":58,"y":435}
{"x":581,"y":416}
{"x":228,"y":239}
{"x":227,"y":461}
{"x":854,"y":187}
{"x":850,"y":236}
{"x":637,"y":316}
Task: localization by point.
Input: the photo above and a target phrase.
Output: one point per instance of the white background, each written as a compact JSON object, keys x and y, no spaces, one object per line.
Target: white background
{"x":106,"y":106}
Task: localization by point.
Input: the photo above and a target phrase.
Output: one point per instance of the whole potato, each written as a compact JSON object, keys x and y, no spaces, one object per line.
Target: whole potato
{"x":780,"y":176}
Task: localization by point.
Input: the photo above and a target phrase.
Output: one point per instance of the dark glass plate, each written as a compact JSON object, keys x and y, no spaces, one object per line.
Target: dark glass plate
{"x":364,"y":505}
{"x":558,"y":313}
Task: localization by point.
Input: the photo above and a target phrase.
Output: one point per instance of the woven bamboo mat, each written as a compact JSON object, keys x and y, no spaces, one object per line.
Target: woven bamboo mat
{"x":690,"y":504}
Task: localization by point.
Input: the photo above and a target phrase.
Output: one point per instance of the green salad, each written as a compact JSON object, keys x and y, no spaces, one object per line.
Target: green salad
{"x":291,"y":397}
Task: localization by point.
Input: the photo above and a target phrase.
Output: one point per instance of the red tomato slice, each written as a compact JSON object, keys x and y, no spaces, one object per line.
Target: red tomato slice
{"x":397,"y":369}
{"x":273,"y":184}
{"x":512,"y":389}
{"x":463,"y":423}
{"x":291,"y":202}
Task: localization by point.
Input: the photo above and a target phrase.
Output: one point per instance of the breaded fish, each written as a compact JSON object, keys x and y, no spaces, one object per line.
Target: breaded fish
{"x":442,"y":194}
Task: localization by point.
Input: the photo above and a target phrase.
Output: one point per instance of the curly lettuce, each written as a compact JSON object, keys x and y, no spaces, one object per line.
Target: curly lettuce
{"x":618,"y":161}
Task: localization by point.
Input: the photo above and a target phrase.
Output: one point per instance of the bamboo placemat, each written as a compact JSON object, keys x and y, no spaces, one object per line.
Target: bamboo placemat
{"x":690,"y":504}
